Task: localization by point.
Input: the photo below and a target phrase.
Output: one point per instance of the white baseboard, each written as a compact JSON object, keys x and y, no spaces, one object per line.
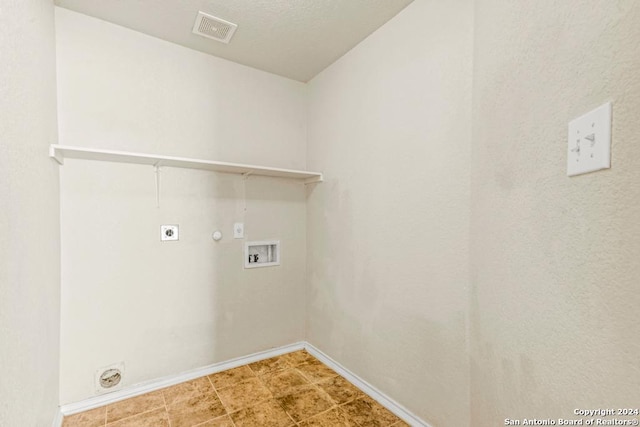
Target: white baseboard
{"x":57,"y":419}
{"x":146,"y":387}
{"x":373,"y":392}
{"x":149,"y":386}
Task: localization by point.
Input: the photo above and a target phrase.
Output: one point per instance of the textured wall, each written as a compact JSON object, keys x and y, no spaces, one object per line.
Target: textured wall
{"x":164,"y":308}
{"x":29,"y":216}
{"x":390,"y":125}
{"x":554,"y":306}
{"x":292,"y":39}
{"x":553,"y":260}
{"x":128,"y":91}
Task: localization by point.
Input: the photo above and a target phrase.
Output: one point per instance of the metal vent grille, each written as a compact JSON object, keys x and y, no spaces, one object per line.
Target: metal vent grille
{"x":214,"y":28}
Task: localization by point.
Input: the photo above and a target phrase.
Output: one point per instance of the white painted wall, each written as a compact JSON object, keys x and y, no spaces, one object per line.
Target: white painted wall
{"x":125,"y":90}
{"x":554,"y":303}
{"x":164,"y":308}
{"x":29,"y":216}
{"x":466,"y":277}
{"x":389,"y":125}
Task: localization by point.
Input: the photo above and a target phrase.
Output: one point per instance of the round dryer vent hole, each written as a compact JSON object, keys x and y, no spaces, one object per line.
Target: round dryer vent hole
{"x":110,"y":378}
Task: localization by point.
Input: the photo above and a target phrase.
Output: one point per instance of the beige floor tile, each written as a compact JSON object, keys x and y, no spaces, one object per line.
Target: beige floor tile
{"x":369,"y":413}
{"x":187,"y":390}
{"x":284,"y":382}
{"x":340,"y":390}
{"x":277,"y":392}
{"x":196,"y":410}
{"x":265,"y":414}
{"x":270,"y":365}
{"x":332,"y":418}
{"x":135,"y":405}
{"x":299,"y":357}
{"x":223,"y":421}
{"x":231,"y":377}
{"x":316,"y":371}
{"x":246,"y":393}
{"x":380,"y":411}
{"x":155,"y":418}
{"x":93,"y":418}
{"x":305,"y":403}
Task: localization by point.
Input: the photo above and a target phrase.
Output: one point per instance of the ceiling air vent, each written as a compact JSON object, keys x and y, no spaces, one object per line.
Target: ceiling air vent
{"x":214,"y":28}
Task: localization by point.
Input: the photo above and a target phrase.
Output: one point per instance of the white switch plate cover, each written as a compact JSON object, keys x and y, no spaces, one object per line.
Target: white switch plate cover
{"x":238,"y":230}
{"x":589,"y":147}
{"x":169,"y":232}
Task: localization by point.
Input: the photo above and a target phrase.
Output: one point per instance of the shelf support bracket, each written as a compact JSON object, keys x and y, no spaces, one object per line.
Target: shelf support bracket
{"x":56,"y":154}
{"x":313,"y":180}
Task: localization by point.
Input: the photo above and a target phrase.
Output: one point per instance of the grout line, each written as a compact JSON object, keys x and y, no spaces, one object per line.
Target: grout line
{"x":213,"y":419}
{"x":131,"y":416}
{"x":285,"y":411}
{"x":138,"y":413}
{"x":180,"y":398}
{"x":309,"y":380}
{"x":288,"y":415}
{"x":345,"y":412}
{"x":227,"y":413}
{"x":323,"y":393}
{"x":315,"y":386}
{"x":211,"y":382}
{"x":249,"y":366}
{"x":216,"y":393}
{"x":135,"y":415}
{"x":273,"y":396}
{"x":320,"y":413}
{"x":166,"y":408}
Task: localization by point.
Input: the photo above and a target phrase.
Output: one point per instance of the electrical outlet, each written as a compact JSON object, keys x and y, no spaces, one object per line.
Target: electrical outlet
{"x":238,"y":230}
{"x":169,"y":232}
{"x":589,"y":147}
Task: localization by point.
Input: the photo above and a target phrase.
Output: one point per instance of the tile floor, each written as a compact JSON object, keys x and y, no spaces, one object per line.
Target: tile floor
{"x":295,"y":389}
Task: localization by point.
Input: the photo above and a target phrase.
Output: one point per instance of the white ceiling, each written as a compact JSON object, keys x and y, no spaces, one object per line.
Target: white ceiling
{"x":292,"y":38}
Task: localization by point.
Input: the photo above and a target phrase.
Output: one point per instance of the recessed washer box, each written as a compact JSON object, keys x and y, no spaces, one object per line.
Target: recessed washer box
{"x":262,"y":254}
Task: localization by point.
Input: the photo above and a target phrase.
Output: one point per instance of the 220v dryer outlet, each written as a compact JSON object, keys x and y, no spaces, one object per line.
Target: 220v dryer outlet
{"x":169,"y":232}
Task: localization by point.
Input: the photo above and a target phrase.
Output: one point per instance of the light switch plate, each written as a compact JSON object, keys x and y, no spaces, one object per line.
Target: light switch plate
{"x":589,"y":145}
{"x":238,"y":230}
